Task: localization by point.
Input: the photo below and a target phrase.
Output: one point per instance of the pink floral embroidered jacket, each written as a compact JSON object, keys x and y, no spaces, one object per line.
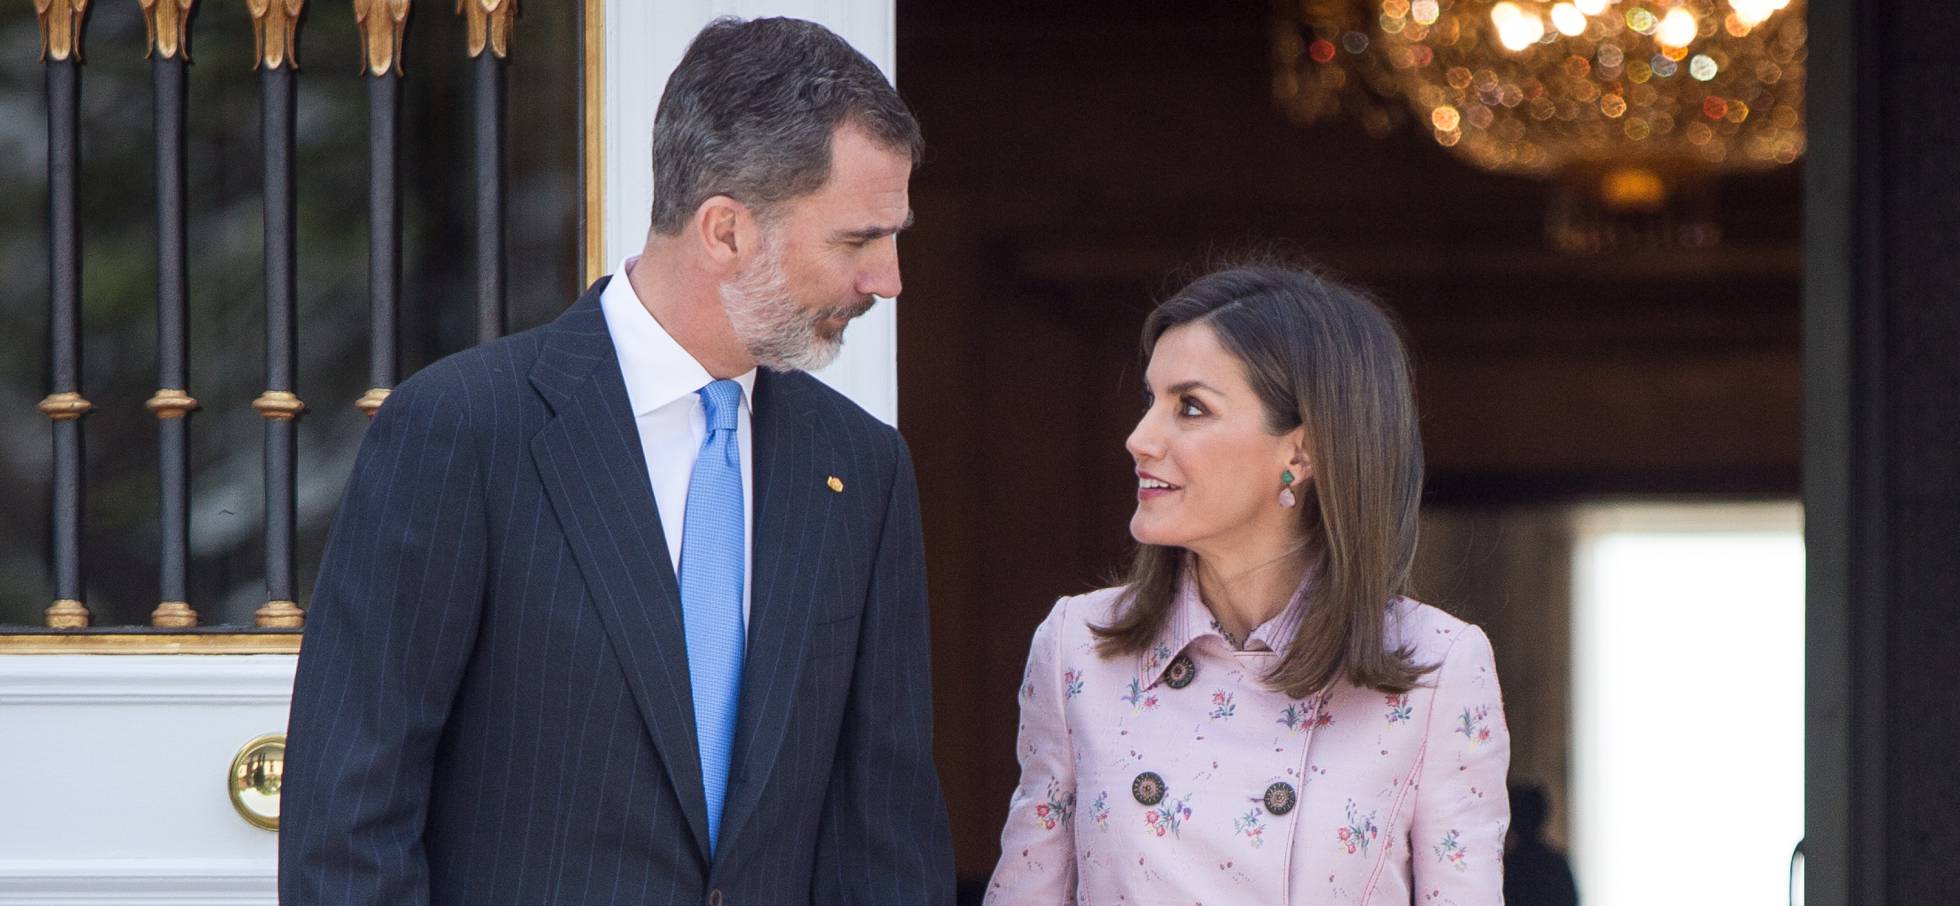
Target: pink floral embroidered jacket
{"x":1178,"y":777}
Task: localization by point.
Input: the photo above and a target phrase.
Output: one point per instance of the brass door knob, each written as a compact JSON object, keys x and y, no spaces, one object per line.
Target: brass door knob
{"x":256,"y":773}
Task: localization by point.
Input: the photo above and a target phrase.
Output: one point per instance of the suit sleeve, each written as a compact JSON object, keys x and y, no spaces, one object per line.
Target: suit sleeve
{"x":883,"y":837}
{"x":1462,"y":807}
{"x":1037,"y":847}
{"x":389,"y":631}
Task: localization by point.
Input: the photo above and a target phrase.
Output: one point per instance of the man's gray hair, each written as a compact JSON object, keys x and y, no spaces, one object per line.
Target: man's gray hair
{"x":749,"y":114}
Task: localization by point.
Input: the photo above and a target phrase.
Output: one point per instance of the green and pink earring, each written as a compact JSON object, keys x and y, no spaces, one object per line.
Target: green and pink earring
{"x":1286,"y":498}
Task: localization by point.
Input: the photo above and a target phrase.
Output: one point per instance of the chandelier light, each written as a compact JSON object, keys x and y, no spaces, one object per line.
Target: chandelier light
{"x":1633,"y":104}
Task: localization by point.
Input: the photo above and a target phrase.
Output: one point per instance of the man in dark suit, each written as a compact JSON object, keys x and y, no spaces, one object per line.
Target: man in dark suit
{"x":555,"y":654}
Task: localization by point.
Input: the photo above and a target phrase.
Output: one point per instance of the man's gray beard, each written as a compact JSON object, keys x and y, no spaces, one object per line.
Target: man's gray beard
{"x":779,"y":334}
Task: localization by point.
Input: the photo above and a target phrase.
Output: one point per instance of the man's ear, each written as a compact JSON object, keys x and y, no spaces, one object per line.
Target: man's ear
{"x":726,"y":232}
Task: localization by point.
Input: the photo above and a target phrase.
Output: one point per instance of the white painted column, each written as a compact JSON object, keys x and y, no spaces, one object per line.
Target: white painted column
{"x":644,"y":41}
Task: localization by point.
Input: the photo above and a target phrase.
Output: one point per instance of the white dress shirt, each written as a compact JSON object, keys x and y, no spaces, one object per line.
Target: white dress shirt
{"x":661,"y":383}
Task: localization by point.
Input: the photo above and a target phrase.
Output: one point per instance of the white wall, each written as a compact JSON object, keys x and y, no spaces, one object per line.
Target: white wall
{"x":644,"y":40}
{"x":116,"y":770}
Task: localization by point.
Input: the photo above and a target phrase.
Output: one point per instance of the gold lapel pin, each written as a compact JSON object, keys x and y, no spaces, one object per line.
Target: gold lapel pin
{"x":836,"y":484}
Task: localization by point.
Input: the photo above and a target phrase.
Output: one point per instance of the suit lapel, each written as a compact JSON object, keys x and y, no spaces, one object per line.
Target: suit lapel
{"x":792,"y":513}
{"x":595,"y":474}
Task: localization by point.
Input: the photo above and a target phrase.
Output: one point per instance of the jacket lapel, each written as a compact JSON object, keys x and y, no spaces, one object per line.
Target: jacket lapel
{"x":792,"y":515}
{"x":595,"y":474}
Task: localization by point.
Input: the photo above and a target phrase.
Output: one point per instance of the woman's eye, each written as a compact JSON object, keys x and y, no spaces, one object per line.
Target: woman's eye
{"x":1190,"y":409}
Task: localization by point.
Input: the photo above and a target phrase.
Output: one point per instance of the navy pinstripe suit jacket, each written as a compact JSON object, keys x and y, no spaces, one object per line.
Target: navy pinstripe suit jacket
{"x":492,"y":703}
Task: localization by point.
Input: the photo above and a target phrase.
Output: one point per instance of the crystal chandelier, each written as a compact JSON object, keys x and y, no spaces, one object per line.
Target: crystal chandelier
{"x":1634,"y":104}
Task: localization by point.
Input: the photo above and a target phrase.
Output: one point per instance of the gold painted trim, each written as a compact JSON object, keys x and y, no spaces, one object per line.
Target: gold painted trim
{"x":174,"y":615}
{"x":166,"y":24}
{"x":171,"y":404}
{"x":61,"y":27}
{"x":370,"y":402}
{"x":150,"y":643}
{"x":275,"y":32}
{"x":595,"y":141}
{"x":67,"y":613}
{"x":382,"y":23}
{"x":254,"y":779}
{"x":490,"y":22}
{"x":280,"y":615}
{"x":280,"y":405}
{"x":65,"y":407}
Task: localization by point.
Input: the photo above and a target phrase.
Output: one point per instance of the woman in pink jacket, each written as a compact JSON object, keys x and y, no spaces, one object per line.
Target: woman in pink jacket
{"x":1258,"y":716}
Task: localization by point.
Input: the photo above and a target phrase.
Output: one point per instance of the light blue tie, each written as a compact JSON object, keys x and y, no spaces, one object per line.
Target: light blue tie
{"x":711,"y":592}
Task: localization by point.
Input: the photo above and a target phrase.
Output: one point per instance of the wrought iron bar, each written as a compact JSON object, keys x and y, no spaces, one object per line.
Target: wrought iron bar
{"x":382,"y":23}
{"x":489,"y":44}
{"x":275,"y":25}
{"x":168,"y":25}
{"x":61,"y":44}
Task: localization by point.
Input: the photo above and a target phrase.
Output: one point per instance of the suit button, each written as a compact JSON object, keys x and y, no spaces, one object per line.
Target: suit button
{"x":1180,"y":673}
{"x":714,"y":898}
{"x":1280,"y":798}
{"x":1148,"y":788}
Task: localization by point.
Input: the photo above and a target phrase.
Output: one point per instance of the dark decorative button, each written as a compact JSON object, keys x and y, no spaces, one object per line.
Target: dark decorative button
{"x":1280,"y":798}
{"x":1180,"y":673}
{"x":1148,"y":788}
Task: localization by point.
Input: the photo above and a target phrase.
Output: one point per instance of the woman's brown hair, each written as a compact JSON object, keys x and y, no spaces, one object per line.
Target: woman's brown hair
{"x":1322,"y":355}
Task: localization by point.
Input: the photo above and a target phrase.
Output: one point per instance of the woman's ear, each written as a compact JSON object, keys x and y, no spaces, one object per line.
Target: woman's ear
{"x":1301,"y":461}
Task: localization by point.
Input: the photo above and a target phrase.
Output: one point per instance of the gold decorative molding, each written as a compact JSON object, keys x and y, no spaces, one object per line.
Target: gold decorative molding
{"x":68,"y":614}
{"x":280,"y":615}
{"x":275,"y":29}
{"x":144,"y":642}
{"x":65,"y":407}
{"x":370,"y":402}
{"x":167,"y":23}
{"x":171,"y":404}
{"x":279,"y":405}
{"x":490,"y":22}
{"x":61,"y":27}
{"x":382,"y":23}
{"x":594,"y":58}
{"x":174,"y":615}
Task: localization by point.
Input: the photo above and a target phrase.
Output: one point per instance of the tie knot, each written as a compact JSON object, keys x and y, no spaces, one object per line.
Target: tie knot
{"x":722,"y":399}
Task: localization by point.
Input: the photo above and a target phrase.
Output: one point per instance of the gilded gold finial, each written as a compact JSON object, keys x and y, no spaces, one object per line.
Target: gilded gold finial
{"x":168,"y":24}
{"x":279,"y":405}
{"x":275,"y":27}
{"x":61,"y":27}
{"x":490,"y":22}
{"x":279,"y":615}
{"x":67,"y":614}
{"x":65,"y":407}
{"x":382,"y":23}
{"x":370,"y":402}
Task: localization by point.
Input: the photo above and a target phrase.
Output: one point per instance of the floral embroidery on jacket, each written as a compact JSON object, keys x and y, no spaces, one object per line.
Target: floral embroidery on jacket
{"x":1071,"y":683}
{"x":1222,"y":707}
{"x":1168,"y":817}
{"x":1138,"y":698}
{"x":1307,"y":714}
{"x":1399,"y":709}
{"x":1099,"y":810}
{"x":1471,"y":725}
{"x":1252,"y":826}
{"x":1359,"y":832}
{"x":1057,"y":810}
{"x":1451,"y":851}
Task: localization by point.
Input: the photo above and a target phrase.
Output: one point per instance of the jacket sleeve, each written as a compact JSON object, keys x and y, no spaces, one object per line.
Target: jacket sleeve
{"x":1462,"y":808}
{"x":389,"y":630}
{"x":1037,"y":847}
{"x":884,"y":837}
